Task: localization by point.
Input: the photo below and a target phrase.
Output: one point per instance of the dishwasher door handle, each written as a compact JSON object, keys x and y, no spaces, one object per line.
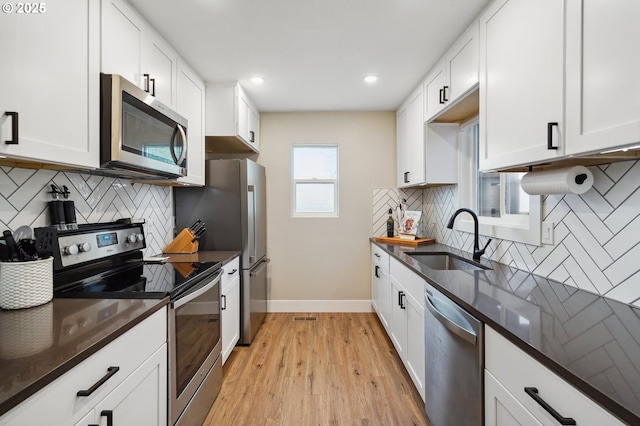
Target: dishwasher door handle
{"x":449,"y":324}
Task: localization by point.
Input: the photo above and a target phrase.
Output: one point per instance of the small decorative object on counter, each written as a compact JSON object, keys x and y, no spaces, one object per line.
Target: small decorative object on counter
{"x":390,"y":224}
{"x":409,"y":224}
{"x":26,"y":284}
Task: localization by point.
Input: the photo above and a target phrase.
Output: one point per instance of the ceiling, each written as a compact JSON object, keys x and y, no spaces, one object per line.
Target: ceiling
{"x":313,"y":55}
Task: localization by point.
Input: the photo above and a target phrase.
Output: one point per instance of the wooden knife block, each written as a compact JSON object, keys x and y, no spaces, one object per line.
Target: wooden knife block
{"x":182,"y":243}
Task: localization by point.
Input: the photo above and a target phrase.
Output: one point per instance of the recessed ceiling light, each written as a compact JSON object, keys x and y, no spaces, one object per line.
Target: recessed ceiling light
{"x":257,"y":80}
{"x":370,"y":79}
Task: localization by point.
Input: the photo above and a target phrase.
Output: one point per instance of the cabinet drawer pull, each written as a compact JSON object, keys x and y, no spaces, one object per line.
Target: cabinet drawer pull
{"x":550,"y":127}
{"x":224,"y":305}
{"x":533,"y":393}
{"x":377,"y":255}
{"x":109,"y":415}
{"x":233,"y":271}
{"x":110,"y":372}
{"x":14,"y":128}
{"x":444,"y":94}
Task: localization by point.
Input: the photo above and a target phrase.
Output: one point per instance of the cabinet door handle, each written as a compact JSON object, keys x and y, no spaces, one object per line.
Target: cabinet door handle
{"x":153,"y":89}
{"x":110,"y":372}
{"x":252,"y":136}
{"x":550,"y":127}
{"x":533,"y":393}
{"x":376,"y":271}
{"x":146,"y":82}
{"x":406,"y":177}
{"x":109,"y":415}
{"x":14,"y":128}
{"x":401,"y":299}
{"x":444,"y":94}
{"x":224,"y":305}
{"x":440,"y":97}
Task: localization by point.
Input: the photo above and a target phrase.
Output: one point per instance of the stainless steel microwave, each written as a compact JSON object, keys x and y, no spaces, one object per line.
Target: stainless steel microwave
{"x":139,"y":136}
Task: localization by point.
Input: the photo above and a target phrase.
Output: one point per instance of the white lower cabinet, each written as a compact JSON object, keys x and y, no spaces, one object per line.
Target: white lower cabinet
{"x":134,"y":394}
{"x":407,"y":320}
{"x":380,"y":285}
{"x":230,"y":310}
{"x":510,"y":377}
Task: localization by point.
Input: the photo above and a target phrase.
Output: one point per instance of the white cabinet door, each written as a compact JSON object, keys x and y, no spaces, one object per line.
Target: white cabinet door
{"x":410,"y":140}
{"x":501,"y":408}
{"x":142,"y":398}
{"x":123,"y":33}
{"x":434,"y":86}
{"x":50,"y":78}
{"x":230,"y":317}
{"x":521,"y":82}
{"x":381,"y":294}
{"x":254,"y":128}
{"x":242,"y":120}
{"x":603,"y":84}
{"x":190,"y":104}
{"x":398,"y":317}
{"x":415,"y":343}
{"x":462,"y":65}
{"x":162,"y":66}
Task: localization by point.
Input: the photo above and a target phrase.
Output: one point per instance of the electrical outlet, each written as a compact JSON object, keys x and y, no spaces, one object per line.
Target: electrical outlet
{"x":547,"y":232}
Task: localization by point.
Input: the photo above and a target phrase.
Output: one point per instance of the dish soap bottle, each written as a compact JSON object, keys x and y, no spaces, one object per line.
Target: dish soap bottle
{"x":390,"y":224}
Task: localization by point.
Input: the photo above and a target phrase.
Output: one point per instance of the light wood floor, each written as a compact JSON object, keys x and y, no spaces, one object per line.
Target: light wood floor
{"x":340,"y":369}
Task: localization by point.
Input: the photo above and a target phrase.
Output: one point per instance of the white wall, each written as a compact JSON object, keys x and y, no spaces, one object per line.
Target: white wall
{"x":322,"y":264}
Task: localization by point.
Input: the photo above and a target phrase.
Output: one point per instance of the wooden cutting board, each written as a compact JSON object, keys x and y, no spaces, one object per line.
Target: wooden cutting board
{"x":398,"y":240}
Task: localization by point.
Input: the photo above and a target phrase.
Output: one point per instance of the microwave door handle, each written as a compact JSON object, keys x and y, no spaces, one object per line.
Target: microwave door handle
{"x":178,"y":130}
{"x":252,"y":223}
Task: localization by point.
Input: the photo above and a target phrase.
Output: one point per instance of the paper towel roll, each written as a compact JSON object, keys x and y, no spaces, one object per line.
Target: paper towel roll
{"x":569,"y":180}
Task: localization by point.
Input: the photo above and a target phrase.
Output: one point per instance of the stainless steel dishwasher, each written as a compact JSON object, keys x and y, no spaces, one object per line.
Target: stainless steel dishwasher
{"x":454,"y":363}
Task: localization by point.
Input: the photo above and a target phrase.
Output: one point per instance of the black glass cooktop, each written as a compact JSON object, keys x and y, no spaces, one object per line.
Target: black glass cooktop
{"x":140,"y":281}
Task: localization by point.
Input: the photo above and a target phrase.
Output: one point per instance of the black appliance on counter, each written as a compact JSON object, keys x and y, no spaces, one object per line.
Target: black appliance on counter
{"x":105,"y":261}
{"x":233,"y":204}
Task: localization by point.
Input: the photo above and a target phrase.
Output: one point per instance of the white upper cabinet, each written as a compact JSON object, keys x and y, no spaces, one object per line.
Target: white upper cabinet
{"x":521,"y":83}
{"x":603,"y":83}
{"x":410,"y":140}
{"x":190,"y":104}
{"x":454,"y":76}
{"x":50,"y":84}
{"x":132,"y":49}
{"x":232,"y":120}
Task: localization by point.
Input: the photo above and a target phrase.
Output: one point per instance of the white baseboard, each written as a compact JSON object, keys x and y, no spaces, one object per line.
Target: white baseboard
{"x":319,"y":306}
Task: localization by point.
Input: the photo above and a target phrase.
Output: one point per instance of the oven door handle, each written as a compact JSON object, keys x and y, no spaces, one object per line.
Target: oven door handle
{"x":190,"y":296}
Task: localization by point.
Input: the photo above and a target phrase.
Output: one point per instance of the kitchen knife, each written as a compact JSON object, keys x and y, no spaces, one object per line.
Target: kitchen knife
{"x":198,"y":234}
{"x":14,"y":255}
{"x":195,"y":224}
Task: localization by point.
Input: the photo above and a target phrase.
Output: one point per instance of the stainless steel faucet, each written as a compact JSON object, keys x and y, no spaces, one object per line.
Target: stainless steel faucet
{"x":476,"y":246}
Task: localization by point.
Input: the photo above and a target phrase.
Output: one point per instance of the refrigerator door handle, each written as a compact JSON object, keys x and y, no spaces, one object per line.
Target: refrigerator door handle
{"x":252,"y":223}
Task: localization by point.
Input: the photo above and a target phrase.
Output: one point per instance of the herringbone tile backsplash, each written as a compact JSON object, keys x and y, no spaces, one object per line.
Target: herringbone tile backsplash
{"x":24,"y":196}
{"x":597,"y":234}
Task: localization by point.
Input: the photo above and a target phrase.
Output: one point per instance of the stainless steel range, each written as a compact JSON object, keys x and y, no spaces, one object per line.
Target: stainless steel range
{"x":105,"y":261}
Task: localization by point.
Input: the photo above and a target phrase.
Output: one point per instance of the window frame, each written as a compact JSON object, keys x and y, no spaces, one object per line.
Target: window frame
{"x":519,"y":228}
{"x":294,"y":181}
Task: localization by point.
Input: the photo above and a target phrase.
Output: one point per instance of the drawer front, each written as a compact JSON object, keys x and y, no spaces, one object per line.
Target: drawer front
{"x":379,"y":257}
{"x":58,"y":403}
{"x":412,"y":282}
{"x":516,"y":370}
{"x":231,"y":272}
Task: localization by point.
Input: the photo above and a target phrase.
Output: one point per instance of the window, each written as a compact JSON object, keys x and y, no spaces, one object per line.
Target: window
{"x":504,"y":210}
{"x":315,"y":180}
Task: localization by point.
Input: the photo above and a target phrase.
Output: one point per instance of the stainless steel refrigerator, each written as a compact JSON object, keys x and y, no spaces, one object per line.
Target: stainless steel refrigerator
{"x":233,"y":206}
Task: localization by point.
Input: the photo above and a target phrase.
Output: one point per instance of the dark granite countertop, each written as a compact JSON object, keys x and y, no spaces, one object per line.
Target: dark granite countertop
{"x":590,"y":341}
{"x":39,"y":344}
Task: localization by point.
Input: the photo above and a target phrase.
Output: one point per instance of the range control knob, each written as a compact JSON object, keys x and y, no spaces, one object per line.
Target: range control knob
{"x":70,"y":250}
{"x":84,"y":247}
{"x":132,"y":238}
{"x":139,"y":237}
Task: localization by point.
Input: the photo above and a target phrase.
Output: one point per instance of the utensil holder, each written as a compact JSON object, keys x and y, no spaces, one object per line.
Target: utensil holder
{"x":182,"y":243}
{"x":26,"y":284}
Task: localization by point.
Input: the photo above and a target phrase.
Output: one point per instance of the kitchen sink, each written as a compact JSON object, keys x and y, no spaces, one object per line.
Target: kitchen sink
{"x":446,"y":261}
